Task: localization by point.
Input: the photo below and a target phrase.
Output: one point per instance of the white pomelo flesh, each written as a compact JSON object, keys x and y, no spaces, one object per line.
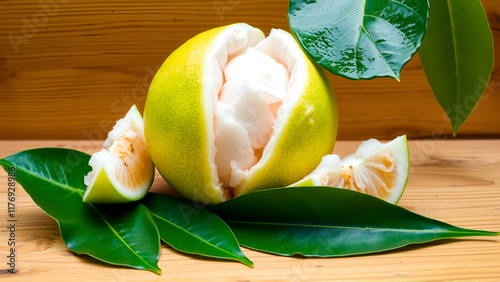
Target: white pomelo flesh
{"x":250,"y":110}
{"x":234,"y":150}
{"x":243,"y":117}
{"x":377,"y":169}
{"x":254,"y":80}
{"x":123,"y":171}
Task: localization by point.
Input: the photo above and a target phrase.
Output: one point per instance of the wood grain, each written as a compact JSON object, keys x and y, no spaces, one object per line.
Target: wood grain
{"x":454,"y":181}
{"x":69,"y":69}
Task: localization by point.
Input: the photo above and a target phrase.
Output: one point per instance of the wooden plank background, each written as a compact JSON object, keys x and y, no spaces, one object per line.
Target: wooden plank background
{"x":70,"y":68}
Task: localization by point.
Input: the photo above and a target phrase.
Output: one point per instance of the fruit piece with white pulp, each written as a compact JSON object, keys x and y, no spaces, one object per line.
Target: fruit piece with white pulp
{"x":377,"y":169}
{"x":123,"y":171}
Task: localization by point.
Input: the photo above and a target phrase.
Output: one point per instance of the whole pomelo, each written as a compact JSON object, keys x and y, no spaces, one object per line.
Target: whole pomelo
{"x":231,"y":111}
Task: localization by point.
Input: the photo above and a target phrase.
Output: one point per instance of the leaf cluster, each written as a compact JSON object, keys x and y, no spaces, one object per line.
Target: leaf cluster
{"x":310,"y":221}
{"x":365,"y":39}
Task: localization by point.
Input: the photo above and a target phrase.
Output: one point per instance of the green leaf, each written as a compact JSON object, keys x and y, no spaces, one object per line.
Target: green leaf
{"x":457,"y":56}
{"x":326,"y":221}
{"x":360,"y":39}
{"x":193,"y":229}
{"x":116,"y":234}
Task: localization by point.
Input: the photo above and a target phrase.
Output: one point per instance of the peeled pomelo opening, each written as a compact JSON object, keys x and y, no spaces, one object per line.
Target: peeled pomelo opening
{"x":125,"y":158}
{"x":253,"y":83}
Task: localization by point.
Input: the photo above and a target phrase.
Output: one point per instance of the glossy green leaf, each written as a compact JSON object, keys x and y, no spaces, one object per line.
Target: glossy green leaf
{"x":193,"y":229}
{"x":117,"y":234}
{"x":457,"y":56}
{"x":326,"y":221}
{"x":360,"y":39}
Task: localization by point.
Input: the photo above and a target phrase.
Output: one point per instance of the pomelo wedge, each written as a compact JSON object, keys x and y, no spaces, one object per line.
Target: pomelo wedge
{"x":123,"y":171}
{"x":377,"y":169}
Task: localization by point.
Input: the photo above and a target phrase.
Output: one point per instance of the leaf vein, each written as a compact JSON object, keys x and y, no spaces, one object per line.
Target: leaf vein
{"x":67,"y":187}
{"x":456,"y":63}
{"x":323,"y":34}
{"x":334,"y":45}
{"x":409,"y":8}
{"x":378,"y":50}
{"x":119,"y":237}
{"x":402,"y":230}
{"x":372,"y":16}
{"x":193,"y":235}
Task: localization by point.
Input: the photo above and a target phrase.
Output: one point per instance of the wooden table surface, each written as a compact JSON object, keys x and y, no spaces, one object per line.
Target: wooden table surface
{"x":456,"y":181}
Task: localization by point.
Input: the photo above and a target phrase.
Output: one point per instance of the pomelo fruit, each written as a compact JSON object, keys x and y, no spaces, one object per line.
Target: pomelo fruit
{"x":231,"y":111}
{"x":377,"y":169}
{"x":123,"y":171}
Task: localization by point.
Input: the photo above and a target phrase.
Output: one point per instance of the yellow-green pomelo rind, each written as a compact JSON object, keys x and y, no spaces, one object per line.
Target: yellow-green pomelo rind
{"x":310,"y":134}
{"x":103,"y":191}
{"x":308,"y":181}
{"x":402,"y":156}
{"x":175,"y":126}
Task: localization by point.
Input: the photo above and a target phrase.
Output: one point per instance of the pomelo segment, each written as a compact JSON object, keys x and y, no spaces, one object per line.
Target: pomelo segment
{"x":377,"y":169}
{"x":231,"y":111}
{"x":123,"y":172}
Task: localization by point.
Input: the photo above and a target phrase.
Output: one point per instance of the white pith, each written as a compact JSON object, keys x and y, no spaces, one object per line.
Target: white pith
{"x":230,"y":117}
{"x":120,"y":157}
{"x":367,"y":169}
